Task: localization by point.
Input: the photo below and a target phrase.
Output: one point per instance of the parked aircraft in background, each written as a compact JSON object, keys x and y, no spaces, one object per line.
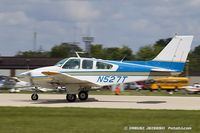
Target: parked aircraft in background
{"x":78,"y":74}
{"x":14,"y":84}
{"x":2,"y":80}
{"x":192,"y":89}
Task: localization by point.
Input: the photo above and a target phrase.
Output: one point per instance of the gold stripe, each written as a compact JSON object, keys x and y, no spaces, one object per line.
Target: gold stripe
{"x":50,"y":73}
{"x":42,"y":79}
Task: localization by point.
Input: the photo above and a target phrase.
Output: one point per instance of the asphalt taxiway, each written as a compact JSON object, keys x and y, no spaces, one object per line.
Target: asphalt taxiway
{"x":103,"y":101}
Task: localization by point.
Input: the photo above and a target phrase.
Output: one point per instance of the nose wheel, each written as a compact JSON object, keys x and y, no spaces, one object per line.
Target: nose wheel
{"x":34,"y":96}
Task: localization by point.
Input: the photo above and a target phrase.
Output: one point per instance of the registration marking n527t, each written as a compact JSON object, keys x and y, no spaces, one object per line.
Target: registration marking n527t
{"x":111,"y":79}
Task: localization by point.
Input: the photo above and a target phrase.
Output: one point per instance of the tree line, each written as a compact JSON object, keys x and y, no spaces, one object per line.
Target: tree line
{"x":148,"y":52}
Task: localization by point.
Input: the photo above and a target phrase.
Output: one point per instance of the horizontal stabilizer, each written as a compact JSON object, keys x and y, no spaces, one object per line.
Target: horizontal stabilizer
{"x":162,"y":70}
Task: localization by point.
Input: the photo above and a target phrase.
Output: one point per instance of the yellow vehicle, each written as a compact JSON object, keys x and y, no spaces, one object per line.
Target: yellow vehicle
{"x":169,"y":83}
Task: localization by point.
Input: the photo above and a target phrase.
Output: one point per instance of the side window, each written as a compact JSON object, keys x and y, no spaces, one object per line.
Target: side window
{"x":87,"y":64}
{"x":101,"y":65}
{"x":72,"y":64}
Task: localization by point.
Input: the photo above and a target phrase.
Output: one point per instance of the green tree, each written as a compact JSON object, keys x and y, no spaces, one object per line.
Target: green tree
{"x":97,"y":51}
{"x":112,"y":53}
{"x":194,"y":60}
{"x":196,"y":51}
{"x":64,"y":50}
{"x":145,"y":53}
{"x":128,"y":53}
{"x":151,"y":51}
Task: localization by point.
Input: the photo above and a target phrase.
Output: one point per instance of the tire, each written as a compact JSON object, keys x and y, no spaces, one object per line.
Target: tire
{"x":83,"y":95}
{"x":71,"y":97}
{"x":34,"y":97}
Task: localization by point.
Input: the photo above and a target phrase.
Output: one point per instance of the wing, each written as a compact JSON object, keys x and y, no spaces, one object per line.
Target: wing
{"x":68,"y":79}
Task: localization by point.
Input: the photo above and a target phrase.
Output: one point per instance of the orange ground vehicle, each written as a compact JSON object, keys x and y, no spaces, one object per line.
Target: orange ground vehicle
{"x":169,"y":83}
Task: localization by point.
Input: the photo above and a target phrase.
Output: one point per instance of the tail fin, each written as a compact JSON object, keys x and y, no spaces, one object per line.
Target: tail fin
{"x":176,"y":50}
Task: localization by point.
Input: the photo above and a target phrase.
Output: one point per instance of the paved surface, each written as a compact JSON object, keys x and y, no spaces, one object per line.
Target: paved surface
{"x":104,"y":101}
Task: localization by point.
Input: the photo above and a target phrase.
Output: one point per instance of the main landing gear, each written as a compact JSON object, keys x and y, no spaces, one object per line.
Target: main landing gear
{"x":82,"y":95}
{"x":71,"y":97}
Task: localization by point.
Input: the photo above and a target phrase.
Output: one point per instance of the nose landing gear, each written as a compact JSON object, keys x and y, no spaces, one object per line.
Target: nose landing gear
{"x":34,"y":96}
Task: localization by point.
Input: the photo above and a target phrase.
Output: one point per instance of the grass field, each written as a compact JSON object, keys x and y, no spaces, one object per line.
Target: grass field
{"x":84,"y":120}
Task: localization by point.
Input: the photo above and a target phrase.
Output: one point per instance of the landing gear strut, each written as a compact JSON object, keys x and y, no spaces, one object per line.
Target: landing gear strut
{"x":34,"y":97}
{"x":83,"y":95}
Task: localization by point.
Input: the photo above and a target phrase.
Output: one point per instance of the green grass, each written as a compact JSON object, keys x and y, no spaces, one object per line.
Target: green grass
{"x":84,"y":120}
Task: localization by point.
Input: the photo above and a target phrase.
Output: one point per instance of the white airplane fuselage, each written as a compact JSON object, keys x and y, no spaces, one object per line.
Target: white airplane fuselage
{"x":100,"y":77}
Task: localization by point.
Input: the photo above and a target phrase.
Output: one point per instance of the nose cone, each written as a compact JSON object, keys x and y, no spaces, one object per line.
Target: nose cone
{"x":38,"y":71}
{"x":25,"y":74}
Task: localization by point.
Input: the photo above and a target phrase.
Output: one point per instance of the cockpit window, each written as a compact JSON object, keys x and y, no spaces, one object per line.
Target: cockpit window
{"x":60,"y":63}
{"x":72,"y":64}
{"x":101,"y":65}
{"x":87,"y":64}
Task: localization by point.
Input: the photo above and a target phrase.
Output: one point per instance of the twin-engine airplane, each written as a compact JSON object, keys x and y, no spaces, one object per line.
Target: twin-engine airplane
{"x":78,"y":74}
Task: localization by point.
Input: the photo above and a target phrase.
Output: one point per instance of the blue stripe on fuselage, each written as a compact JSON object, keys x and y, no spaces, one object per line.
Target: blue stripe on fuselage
{"x":147,"y":66}
{"x":131,"y":67}
{"x":39,"y":77}
{"x":177,"y":66}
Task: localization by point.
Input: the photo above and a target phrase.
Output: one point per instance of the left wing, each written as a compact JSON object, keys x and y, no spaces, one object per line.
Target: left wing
{"x":67,"y":79}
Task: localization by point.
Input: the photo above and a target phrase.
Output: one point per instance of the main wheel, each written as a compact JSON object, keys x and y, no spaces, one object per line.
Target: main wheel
{"x":34,"y":97}
{"x":71,"y":97}
{"x":83,"y":95}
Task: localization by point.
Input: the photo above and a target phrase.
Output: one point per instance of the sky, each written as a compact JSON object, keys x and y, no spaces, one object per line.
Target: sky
{"x":113,"y":23}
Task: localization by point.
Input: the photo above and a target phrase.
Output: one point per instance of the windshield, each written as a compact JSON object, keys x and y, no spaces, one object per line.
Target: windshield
{"x":72,"y":64}
{"x":60,"y":63}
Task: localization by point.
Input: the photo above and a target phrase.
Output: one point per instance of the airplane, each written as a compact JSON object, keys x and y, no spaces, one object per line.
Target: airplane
{"x":13,"y":84}
{"x":78,"y":75}
{"x":195,"y":89}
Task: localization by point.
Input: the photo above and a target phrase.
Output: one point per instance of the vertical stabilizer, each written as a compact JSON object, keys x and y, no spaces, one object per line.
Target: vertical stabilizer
{"x":176,"y":50}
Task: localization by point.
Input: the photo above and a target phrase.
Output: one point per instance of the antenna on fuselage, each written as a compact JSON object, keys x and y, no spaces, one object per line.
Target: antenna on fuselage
{"x":123,"y":58}
{"x":77,"y":54}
